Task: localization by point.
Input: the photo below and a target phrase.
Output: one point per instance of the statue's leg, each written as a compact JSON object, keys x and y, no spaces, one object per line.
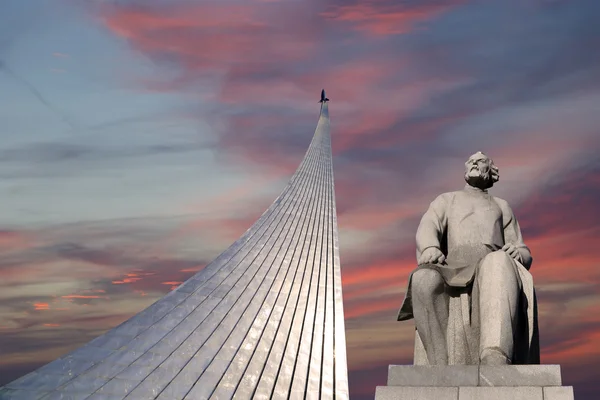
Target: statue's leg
{"x":430,"y":310}
{"x":499,"y":288}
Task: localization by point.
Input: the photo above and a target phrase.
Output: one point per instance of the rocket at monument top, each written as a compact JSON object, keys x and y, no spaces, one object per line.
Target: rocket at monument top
{"x":323,"y":98}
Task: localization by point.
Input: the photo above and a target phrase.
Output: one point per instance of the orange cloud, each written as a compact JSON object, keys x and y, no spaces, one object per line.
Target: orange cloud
{"x":51,"y":325}
{"x":174,"y":284}
{"x":125,"y":280}
{"x":198,"y":269}
{"x":41,"y":306}
{"x":132,"y":277}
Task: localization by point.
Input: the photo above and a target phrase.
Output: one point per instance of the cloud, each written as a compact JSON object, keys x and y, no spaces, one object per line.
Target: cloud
{"x":386,"y":18}
{"x":567,"y":204}
{"x":41,"y":306}
{"x":546,"y":54}
{"x":559,"y":223}
{"x":106,"y":263}
{"x":63,"y":294}
{"x":392,"y":108}
{"x":13,"y":240}
{"x":210,"y":36}
{"x":362,"y":382}
{"x":250,"y":55}
{"x":415,"y":86}
{"x":33,"y":90}
{"x":57,"y":152}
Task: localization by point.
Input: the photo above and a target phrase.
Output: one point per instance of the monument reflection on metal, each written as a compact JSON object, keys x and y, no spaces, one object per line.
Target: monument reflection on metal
{"x":263,"y":320}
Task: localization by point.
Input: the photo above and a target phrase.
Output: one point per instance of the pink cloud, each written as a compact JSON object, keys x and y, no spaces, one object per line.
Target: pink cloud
{"x":211,"y":36}
{"x":370,"y":308}
{"x":374,"y":217}
{"x":381,"y":19}
{"x":14,"y":240}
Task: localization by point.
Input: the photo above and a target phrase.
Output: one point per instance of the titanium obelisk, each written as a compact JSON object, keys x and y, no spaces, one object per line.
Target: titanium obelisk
{"x":263,"y":320}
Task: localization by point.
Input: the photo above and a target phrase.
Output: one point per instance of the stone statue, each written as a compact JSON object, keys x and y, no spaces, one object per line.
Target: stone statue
{"x":472,"y":295}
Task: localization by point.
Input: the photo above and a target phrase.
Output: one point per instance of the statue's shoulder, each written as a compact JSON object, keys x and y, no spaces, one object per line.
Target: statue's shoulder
{"x":503,"y":204}
{"x":446,"y":197}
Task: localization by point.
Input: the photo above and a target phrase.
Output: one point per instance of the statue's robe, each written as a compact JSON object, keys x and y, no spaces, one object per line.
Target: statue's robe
{"x":466,"y":226}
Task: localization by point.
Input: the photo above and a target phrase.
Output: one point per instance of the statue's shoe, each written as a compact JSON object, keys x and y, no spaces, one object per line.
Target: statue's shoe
{"x":493,"y":357}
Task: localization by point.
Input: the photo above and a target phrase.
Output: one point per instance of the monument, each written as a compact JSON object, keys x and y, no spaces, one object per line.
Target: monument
{"x":473,"y":302}
{"x":263,"y":320}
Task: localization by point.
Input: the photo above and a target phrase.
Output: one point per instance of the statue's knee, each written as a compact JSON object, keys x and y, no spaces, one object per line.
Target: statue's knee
{"x":497,"y":258}
{"x":426,"y":282}
{"x":498,"y":261}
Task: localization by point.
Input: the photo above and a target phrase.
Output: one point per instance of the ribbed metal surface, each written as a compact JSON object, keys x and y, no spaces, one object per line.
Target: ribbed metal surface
{"x":263,"y":320}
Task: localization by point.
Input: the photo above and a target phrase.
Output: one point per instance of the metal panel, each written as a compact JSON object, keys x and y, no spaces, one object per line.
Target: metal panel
{"x":272,"y":342}
{"x":263,"y":320}
{"x":302,"y":361}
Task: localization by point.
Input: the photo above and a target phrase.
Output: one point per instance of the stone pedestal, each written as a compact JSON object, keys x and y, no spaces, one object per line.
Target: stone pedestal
{"x":472,"y":382}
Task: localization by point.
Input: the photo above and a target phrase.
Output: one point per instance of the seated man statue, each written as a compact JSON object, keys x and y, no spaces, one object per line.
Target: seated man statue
{"x":471,"y":294}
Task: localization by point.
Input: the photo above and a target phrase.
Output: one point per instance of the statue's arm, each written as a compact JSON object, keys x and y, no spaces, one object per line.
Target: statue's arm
{"x":512,"y":234}
{"x":432,"y":225}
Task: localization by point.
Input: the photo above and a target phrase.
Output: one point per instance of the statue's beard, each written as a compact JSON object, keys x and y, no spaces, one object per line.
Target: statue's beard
{"x":482,"y":181}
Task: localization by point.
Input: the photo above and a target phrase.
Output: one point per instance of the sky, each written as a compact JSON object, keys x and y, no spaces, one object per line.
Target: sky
{"x":140,"y":138}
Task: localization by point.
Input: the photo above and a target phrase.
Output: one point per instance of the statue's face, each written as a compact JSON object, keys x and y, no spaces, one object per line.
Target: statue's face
{"x":478,"y":171}
{"x":478,"y":166}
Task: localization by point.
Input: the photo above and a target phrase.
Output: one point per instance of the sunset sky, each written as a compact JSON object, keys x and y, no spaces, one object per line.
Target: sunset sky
{"x":140,"y":138}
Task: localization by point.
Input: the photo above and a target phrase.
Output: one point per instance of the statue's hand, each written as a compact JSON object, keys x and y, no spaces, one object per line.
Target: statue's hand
{"x":431,"y":255}
{"x":512,"y":251}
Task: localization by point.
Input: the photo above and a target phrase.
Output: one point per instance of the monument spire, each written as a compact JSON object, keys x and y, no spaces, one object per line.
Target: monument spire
{"x":263,"y":320}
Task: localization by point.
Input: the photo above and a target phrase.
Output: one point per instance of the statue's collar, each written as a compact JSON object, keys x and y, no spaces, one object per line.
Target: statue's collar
{"x":473,"y":189}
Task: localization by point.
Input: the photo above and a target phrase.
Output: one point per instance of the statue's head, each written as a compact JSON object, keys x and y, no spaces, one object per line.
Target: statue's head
{"x":480,"y":171}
